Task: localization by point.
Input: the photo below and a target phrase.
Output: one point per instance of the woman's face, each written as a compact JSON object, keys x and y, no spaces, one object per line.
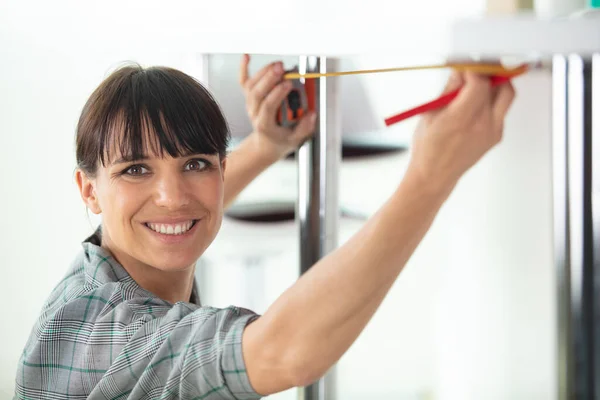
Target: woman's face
{"x":162,"y":212}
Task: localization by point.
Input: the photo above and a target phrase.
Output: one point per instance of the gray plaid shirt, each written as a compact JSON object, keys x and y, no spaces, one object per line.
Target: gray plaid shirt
{"x":101,"y":336}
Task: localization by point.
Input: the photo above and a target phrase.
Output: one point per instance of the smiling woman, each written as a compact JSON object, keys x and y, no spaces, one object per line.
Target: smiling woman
{"x":151,"y":150}
{"x":126,"y":320}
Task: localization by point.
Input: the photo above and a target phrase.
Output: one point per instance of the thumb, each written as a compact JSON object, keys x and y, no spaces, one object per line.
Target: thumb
{"x":455,"y":81}
{"x":304,"y":129}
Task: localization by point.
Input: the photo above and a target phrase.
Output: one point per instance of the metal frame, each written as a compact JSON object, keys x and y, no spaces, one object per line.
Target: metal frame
{"x":576,"y":233}
{"x":318,"y":205}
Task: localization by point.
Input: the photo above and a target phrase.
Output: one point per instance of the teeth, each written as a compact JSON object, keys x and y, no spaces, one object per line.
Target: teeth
{"x":174,"y":229}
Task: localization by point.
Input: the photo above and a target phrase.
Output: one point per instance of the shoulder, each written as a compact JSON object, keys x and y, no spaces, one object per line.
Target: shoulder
{"x":101,"y":327}
{"x":94,"y":287}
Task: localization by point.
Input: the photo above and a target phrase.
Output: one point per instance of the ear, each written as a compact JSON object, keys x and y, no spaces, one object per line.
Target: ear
{"x":87,"y":191}
{"x":223,"y":165}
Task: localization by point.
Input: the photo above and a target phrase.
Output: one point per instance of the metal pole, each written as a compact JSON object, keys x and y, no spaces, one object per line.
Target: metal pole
{"x":317,"y":208}
{"x":561,"y":223}
{"x":578,"y":270}
{"x":595,"y":188}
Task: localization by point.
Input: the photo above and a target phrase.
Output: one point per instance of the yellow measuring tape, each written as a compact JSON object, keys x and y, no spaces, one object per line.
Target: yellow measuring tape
{"x":494,"y":69}
{"x":305,"y":91}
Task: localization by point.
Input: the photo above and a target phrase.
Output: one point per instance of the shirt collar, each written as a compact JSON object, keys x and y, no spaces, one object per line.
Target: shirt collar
{"x":95,"y":240}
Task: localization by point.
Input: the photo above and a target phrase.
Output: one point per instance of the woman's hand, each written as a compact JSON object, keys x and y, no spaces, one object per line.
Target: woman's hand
{"x":450,"y":141}
{"x":264,"y":93}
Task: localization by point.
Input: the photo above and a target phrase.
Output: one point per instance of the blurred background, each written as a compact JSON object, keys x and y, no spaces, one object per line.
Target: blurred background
{"x":471,"y":317}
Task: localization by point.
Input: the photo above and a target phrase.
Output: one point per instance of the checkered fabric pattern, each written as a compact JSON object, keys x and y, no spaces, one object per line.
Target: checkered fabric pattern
{"x":101,"y":336}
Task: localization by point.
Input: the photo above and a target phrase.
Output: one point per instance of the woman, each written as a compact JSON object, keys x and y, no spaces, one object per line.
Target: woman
{"x":126,"y":321}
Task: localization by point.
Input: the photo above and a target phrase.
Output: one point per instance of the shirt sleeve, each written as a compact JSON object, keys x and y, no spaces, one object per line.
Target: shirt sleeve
{"x":198,"y":356}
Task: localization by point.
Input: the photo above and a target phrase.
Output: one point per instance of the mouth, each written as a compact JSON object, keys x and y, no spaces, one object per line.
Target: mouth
{"x":177,"y":229}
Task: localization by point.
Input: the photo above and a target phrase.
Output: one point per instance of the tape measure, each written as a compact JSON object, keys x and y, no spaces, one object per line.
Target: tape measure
{"x":299,"y":102}
{"x":301,"y":98}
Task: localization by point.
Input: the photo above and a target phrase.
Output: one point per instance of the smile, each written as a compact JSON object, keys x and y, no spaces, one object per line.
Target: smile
{"x":172,"y":229}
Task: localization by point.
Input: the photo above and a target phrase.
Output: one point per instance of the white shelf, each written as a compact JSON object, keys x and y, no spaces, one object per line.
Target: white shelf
{"x":528,"y":35}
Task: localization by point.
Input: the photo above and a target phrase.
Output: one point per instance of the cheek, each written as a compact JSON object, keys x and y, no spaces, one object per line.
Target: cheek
{"x":121,"y":201}
{"x":129,"y":197}
{"x":210,"y":193}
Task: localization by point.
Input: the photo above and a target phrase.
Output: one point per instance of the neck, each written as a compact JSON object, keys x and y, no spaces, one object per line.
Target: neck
{"x":172,"y":286}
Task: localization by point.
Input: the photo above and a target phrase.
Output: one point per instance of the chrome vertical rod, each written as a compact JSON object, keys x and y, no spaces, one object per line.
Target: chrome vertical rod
{"x":595,"y":189}
{"x":561,"y":224}
{"x":577,"y":269}
{"x":317,"y":207}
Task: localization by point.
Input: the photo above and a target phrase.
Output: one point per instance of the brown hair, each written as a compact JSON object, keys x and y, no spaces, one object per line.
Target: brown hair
{"x":180,"y":113}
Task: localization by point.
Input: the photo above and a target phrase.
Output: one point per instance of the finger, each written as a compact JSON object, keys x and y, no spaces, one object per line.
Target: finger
{"x":457,"y":76}
{"x":503,"y":99}
{"x":251,"y":83}
{"x":305,"y":128}
{"x":474,"y":95}
{"x":244,"y":69}
{"x":265,"y":85}
{"x":273,"y":100}
{"x":455,"y":81}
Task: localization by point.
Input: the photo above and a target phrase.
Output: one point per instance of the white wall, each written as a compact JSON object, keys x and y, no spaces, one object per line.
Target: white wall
{"x":42,"y":92}
{"x":471,"y":317}
{"x":496,"y":310}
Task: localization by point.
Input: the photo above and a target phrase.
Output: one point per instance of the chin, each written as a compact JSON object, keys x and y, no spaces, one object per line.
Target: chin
{"x":174,"y":261}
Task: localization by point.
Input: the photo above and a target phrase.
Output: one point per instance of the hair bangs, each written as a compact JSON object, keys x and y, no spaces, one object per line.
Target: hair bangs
{"x":160,"y":111}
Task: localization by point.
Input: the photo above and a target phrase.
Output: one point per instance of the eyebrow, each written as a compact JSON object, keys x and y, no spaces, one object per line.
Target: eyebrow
{"x":129,"y":159}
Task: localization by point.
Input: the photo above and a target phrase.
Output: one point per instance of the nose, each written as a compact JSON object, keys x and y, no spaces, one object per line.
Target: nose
{"x":171,"y":192}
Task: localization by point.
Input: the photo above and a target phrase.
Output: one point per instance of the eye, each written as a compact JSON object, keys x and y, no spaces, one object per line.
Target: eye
{"x":136,"y":170}
{"x":197,"y":165}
